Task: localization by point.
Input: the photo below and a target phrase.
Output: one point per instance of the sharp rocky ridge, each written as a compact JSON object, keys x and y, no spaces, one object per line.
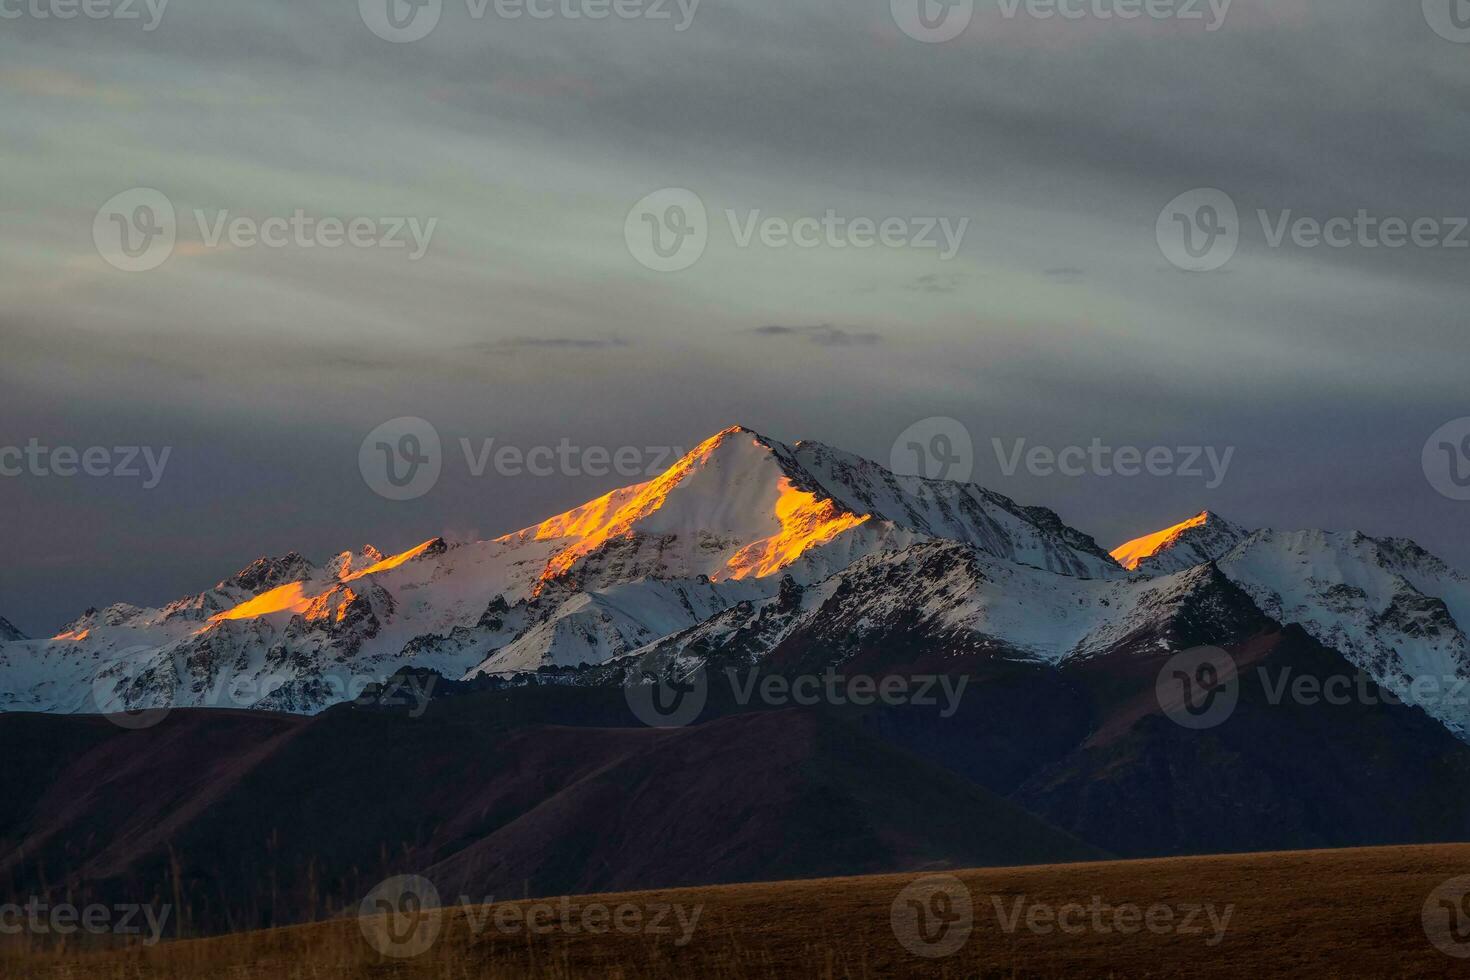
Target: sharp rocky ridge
{"x":750,"y":549}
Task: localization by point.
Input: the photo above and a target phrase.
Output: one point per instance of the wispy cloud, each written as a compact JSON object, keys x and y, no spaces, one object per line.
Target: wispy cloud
{"x":822,"y":334}
{"x":551,"y":343}
{"x":936,"y":282}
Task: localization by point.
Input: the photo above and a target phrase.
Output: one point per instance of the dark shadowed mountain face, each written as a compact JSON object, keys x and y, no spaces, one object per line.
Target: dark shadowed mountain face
{"x":1049,"y":733}
{"x":261,"y":818}
{"x":1278,"y":773}
{"x":232,"y":808}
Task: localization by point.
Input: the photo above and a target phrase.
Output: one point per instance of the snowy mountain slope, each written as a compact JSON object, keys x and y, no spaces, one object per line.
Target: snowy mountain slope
{"x":1202,"y":538}
{"x":951,"y":601}
{"x":724,"y":525}
{"x":744,"y":506}
{"x":956,"y":512}
{"x":747,"y":549}
{"x":9,"y":632}
{"x":1387,"y":605}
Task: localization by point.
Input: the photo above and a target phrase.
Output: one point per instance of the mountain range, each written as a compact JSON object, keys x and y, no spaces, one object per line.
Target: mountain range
{"x":746,"y":545}
{"x":527,"y":772}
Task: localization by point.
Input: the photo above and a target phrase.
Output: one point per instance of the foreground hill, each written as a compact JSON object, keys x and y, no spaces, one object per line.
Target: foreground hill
{"x":1350,"y":913}
{"x":266,"y":819}
{"x":256,"y":818}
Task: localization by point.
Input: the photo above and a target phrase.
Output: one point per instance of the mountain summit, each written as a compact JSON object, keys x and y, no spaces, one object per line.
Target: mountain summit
{"x":728,"y":523}
{"x":753,"y":548}
{"x":1203,"y":537}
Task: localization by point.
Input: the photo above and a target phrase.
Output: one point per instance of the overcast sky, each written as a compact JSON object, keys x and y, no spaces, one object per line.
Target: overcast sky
{"x":522,"y":145}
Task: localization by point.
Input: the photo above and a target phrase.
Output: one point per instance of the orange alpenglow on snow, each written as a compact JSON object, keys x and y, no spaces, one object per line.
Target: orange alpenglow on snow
{"x":605,"y":519}
{"x":73,"y":635}
{"x":331,"y":605}
{"x":291,"y":597}
{"x":1132,"y":554}
{"x":806,"y":522}
{"x":393,"y":561}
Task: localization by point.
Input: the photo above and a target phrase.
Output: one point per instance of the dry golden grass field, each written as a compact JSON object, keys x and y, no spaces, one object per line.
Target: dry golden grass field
{"x":1347,"y":913}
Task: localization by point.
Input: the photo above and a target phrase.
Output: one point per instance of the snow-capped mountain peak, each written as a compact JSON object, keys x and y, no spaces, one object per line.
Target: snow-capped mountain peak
{"x":1201,"y":538}
{"x":744,"y":506}
{"x":1387,"y":605}
{"x":731,"y":508}
{"x":752,"y":542}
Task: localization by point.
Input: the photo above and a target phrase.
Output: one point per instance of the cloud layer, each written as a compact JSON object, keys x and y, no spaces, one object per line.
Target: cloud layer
{"x":528,"y":319}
